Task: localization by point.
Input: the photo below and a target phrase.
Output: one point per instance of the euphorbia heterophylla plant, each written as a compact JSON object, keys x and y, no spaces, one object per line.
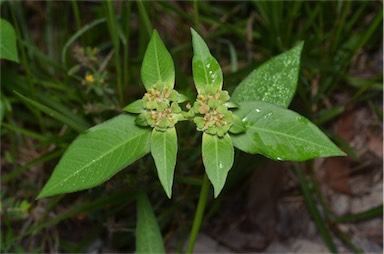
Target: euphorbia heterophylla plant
{"x":255,"y":120}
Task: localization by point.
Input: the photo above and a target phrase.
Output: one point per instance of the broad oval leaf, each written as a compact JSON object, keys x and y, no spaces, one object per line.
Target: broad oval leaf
{"x":274,"y":81}
{"x":148,"y":235}
{"x":98,"y":154}
{"x":164,"y":152}
{"x":157,"y":64}
{"x":281,"y":134}
{"x":218,"y":154}
{"x":8,"y":47}
{"x":206,"y":69}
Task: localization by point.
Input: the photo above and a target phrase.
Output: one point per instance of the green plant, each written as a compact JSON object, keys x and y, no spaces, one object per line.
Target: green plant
{"x":8,"y":48}
{"x":255,"y":120}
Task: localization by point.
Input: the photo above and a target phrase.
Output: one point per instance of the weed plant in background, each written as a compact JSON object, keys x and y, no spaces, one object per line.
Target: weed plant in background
{"x":190,"y":115}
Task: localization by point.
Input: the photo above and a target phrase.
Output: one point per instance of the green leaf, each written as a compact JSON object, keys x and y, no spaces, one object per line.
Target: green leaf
{"x":238,"y":126}
{"x":97,"y":154}
{"x":281,"y":134}
{"x":206,"y":70}
{"x":135,"y":107}
{"x":73,"y":121}
{"x":157,"y":64}
{"x":274,"y":81}
{"x":218,"y":154}
{"x":164,"y":151}
{"x":8,"y":47}
{"x":182,"y":98}
{"x":148,"y":235}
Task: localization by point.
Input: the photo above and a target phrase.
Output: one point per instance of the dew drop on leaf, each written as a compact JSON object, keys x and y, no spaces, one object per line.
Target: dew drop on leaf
{"x":302,"y":120}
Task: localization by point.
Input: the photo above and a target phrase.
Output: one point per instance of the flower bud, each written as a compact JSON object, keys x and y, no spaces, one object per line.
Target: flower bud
{"x":204,"y":109}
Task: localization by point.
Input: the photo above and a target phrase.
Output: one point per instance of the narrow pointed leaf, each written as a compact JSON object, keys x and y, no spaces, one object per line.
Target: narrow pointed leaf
{"x":73,"y":121}
{"x":274,"y":81}
{"x":218,"y":154}
{"x":281,"y":134}
{"x":206,"y":69}
{"x":157,"y":64}
{"x":148,"y":235}
{"x":98,"y":154}
{"x":135,"y":107}
{"x":8,"y":47}
{"x":164,"y":152}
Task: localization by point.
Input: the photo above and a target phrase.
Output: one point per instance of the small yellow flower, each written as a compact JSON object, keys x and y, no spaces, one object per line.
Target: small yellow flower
{"x":89,"y":78}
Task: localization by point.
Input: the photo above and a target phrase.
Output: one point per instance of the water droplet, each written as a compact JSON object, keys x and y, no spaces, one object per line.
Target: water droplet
{"x":258,"y":110}
{"x":279,"y":158}
{"x":267,"y":115}
{"x":302,"y":119}
{"x":221,"y":165}
{"x":244,"y":119}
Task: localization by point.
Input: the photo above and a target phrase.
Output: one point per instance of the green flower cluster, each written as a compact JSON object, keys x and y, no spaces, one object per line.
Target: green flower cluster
{"x":159,"y":108}
{"x":162,"y":107}
{"x":211,"y":114}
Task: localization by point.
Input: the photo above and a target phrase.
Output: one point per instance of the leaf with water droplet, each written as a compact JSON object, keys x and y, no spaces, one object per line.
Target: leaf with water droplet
{"x":274,"y":81}
{"x":97,"y":154}
{"x":218,"y":154}
{"x":206,"y":69}
{"x":237,"y":126}
{"x":283,"y":135}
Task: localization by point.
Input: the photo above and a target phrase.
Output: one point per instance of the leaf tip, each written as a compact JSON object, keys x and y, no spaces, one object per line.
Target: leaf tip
{"x":41,"y":195}
{"x":169,"y":193}
{"x":216,"y":194}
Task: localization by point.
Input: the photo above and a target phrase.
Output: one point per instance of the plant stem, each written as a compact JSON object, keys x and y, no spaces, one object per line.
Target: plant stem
{"x":199,"y":214}
{"x":196,"y":14}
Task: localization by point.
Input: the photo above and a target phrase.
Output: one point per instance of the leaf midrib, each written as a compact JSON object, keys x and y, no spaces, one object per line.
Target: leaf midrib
{"x":200,"y":55}
{"x":285,"y":135}
{"x":94,"y":161}
{"x":157,"y":60}
{"x":165,"y":157}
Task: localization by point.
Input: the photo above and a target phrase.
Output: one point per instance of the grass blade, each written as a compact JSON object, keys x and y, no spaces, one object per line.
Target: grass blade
{"x":57,"y":115}
{"x":318,"y":220}
{"x":148,"y":235}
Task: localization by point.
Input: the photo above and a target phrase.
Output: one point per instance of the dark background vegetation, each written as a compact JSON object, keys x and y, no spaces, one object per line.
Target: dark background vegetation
{"x":321,"y":205}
